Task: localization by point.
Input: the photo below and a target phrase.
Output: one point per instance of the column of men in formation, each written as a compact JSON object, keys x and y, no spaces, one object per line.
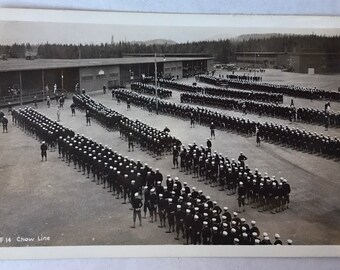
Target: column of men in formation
{"x":190,"y":212}
{"x":260,"y":96}
{"x":290,"y":90}
{"x":244,"y":77}
{"x":305,"y":114}
{"x":148,"y":89}
{"x":156,"y":141}
{"x":287,"y":136}
{"x":235,"y":176}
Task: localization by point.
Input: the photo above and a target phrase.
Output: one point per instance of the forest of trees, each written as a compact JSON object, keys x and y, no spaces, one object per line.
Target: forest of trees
{"x":222,"y":50}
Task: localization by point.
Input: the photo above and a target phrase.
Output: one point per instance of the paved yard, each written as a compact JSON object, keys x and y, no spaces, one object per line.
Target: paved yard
{"x":51,"y":199}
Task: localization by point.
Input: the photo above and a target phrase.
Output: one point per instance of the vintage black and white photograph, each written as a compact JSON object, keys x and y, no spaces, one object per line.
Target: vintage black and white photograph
{"x":162,"y":134}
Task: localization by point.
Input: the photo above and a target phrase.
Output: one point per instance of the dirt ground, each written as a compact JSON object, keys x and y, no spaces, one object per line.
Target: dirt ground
{"x":50,"y":199}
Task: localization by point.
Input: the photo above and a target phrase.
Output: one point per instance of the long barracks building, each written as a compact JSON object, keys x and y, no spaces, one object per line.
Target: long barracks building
{"x":301,"y":62}
{"x":32,"y":76}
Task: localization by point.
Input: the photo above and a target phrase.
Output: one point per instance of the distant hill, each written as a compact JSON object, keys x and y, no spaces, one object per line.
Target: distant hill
{"x":159,"y":42}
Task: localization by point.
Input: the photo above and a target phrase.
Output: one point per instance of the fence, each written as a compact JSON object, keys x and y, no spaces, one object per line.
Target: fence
{"x":14,"y":100}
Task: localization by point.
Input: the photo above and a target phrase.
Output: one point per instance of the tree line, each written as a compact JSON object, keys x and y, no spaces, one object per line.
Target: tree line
{"x":222,"y":50}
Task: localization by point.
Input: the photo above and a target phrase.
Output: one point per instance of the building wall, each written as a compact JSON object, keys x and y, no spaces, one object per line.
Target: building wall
{"x":294,"y":62}
{"x":173,"y":69}
{"x":210,"y":65}
{"x":93,"y":78}
{"x":266,"y":61}
{"x":322,"y":63}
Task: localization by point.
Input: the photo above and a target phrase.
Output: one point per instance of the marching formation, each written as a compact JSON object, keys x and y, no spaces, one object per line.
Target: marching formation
{"x":143,"y":88}
{"x":149,"y":138}
{"x":290,"y":90}
{"x":224,"y":92}
{"x":305,"y":114}
{"x":189,"y":212}
{"x":216,"y":170}
{"x":298,"y":139}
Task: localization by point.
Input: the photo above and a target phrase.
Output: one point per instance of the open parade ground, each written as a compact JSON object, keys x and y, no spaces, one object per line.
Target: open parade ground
{"x":51,"y":204}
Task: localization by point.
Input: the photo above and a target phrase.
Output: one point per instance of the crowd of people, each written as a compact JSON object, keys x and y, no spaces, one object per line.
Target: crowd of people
{"x":305,"y":114}
{"x":273,"y":133}
{"x":181,"y":209}
{"x":224,"y":92}
{"x":143,"y":88}
{"x":156,"y":141}
{"x":290,"y":90}
{"x":216,"y":170}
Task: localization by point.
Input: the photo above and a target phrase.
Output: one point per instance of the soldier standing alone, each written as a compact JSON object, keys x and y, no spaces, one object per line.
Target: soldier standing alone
{"x":43,"y":149}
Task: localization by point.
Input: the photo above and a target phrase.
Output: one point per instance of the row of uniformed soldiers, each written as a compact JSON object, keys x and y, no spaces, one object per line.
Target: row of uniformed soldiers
{"x":220,"y":79}
{"x":301,"y":139}
{"x":317,"y":116}
{"x":254,"y":189}
{"x":98,"y":111}
{"x":232,"y":93}
{"x":143,"y":88}
{"x":273,"y":133}
{"x":156,"y":141}
{"x":190,"y":212}
{"x":39,"y":126}
{"x":290,"y":90}
{"x":305,"y":114}
{"x":243,"y":77}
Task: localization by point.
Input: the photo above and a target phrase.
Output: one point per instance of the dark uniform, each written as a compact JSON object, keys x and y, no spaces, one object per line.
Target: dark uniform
{"x":43,"y":149}
{"x":137,"y":205}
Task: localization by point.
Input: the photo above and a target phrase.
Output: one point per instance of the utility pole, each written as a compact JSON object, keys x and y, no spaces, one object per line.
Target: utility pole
{"x":20,"y":83}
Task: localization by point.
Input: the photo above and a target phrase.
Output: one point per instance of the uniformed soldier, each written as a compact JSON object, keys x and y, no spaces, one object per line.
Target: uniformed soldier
{"x":277,"y":239}
{"x":4,"y":122}
{"x":212,"y":130}
{"x":88,"y":118}
{"x":43,"y":148}
{"x":137,"y":205}
{"x":73,"y":109}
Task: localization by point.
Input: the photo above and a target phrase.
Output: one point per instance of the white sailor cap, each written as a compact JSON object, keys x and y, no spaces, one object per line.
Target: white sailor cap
{"x":277,"y":236}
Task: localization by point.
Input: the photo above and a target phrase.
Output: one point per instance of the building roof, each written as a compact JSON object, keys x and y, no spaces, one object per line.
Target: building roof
{"x":287,"y":53}
{"x":260,"y":53}
{"x":14,"y":64}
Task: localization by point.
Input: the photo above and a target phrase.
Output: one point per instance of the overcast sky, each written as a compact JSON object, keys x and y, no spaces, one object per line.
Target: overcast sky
{"x":34,"y":32}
